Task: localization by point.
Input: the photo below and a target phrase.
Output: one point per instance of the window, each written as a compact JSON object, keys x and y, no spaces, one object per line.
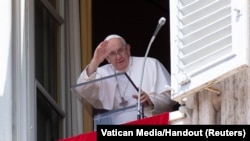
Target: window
{"x":47,"y":69}
{"x":208,"y":43}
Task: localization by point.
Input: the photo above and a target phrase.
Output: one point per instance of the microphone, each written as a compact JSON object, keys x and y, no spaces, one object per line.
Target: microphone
{"x":140,"y":108}
{"x":161,"y":22}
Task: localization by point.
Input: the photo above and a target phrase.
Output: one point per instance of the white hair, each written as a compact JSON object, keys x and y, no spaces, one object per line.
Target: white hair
{"x":113,"y":36}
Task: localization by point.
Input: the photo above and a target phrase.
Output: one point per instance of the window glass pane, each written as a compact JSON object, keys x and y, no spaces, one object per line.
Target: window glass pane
{"x":53,"y":3}
{"x":46,"y":73}
{"x":47,"y":120}
{"x":46,"y":49}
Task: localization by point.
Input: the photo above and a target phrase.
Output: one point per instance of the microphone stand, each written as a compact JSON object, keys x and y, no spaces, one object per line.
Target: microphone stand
{"x":140,"y":107}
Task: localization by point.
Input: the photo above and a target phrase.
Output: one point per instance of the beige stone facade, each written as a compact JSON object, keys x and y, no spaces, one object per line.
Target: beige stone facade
{"x":226,"y":102}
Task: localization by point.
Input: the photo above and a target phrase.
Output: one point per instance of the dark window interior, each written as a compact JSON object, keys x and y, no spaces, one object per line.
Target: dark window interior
{"x":136,"y":21}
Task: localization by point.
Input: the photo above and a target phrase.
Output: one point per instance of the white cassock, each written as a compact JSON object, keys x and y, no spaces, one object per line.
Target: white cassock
{"x":108,"y":94}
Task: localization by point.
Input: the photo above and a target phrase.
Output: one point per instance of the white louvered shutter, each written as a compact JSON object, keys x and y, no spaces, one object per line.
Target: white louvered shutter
{"x":209,"y":41}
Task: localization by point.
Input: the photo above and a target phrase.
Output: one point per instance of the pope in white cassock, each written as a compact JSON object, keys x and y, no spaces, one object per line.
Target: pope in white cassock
{"x":116,"y":94}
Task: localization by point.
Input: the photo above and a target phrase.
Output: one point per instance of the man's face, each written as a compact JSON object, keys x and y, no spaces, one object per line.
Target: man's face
{"x":119,"y":54}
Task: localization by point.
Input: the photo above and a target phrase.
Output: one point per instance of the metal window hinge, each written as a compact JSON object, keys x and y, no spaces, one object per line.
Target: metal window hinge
{"x":182,"y":77}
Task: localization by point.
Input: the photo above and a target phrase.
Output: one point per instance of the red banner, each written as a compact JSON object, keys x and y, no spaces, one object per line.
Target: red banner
{"x":161,"y":119}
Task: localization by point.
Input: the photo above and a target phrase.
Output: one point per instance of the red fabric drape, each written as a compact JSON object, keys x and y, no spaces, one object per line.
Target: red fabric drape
{"x":161,"y":119}
{"x":91,"y":136}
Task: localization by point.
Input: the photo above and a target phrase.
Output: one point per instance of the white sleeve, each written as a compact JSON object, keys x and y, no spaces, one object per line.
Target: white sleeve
{"x":84,"y":77}
{"x":158,"y":94}
{"x":99,"y":94}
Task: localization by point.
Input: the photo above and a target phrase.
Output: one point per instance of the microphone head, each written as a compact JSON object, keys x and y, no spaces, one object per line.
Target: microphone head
{"x":162,"y":21}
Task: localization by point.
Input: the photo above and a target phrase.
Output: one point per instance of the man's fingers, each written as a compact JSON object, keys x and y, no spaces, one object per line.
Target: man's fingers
{"x":143,"y":97}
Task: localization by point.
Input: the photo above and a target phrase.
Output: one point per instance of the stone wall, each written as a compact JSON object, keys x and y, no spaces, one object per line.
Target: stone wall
{"x":226,"y":102}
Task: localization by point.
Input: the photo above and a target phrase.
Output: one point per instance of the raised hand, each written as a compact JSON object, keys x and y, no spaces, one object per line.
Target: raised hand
{"x":100,"y":54}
